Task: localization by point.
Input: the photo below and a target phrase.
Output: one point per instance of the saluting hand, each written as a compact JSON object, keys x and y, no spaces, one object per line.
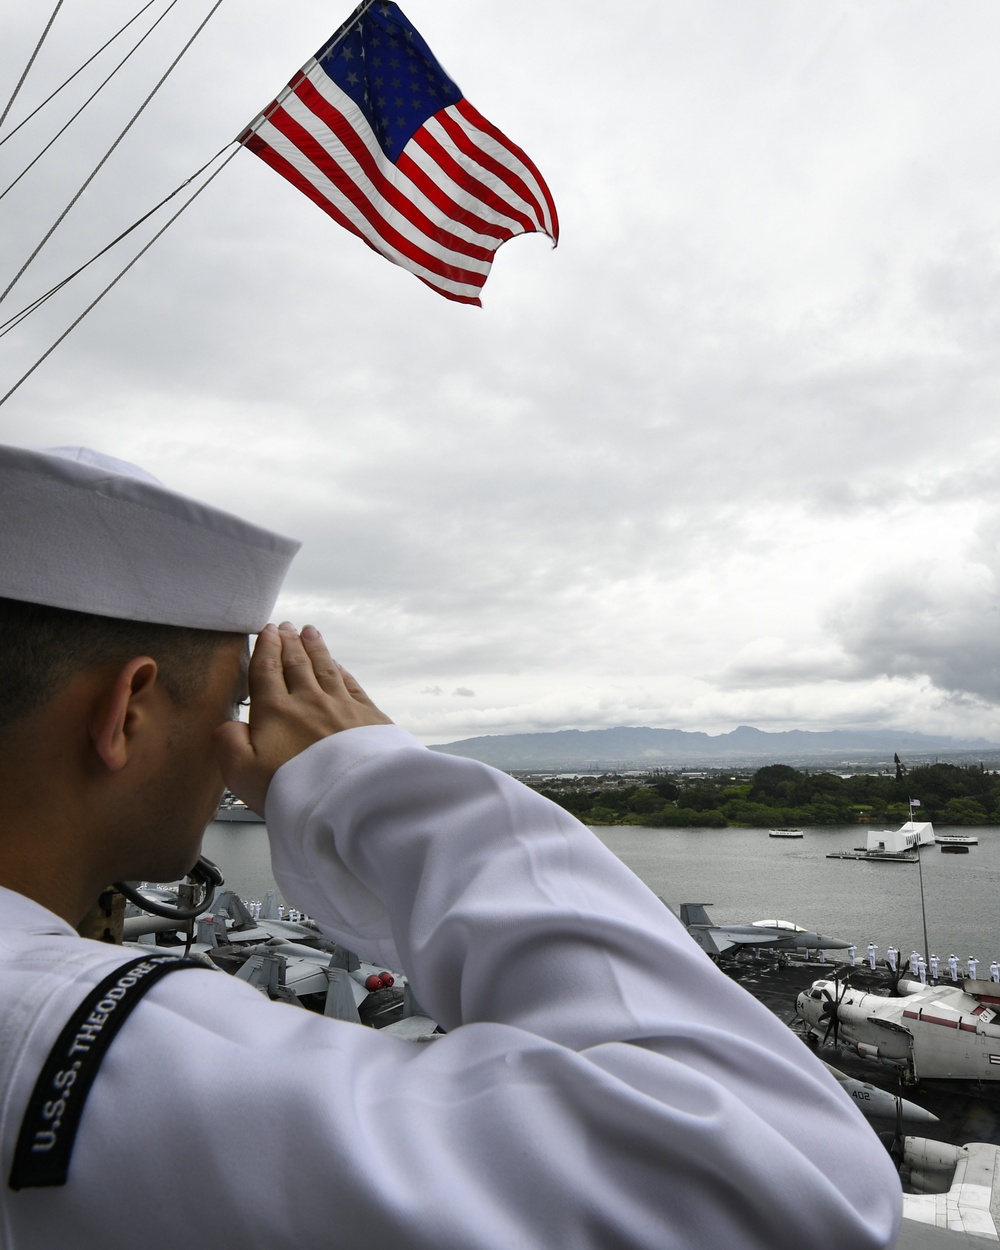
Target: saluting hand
{"x":298,"y":695}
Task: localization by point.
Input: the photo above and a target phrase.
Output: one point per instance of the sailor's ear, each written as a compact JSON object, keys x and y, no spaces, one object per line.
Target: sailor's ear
{"x":119,"y":711}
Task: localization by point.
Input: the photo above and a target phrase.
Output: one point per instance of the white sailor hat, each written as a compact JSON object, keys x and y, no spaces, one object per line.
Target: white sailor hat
{"x":82,"y":530}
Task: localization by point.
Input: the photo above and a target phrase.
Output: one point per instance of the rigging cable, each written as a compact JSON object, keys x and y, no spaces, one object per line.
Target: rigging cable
{"x":31,"y":61}
{"x":88,"y":100}
{"x":135,"y":116}
{"x":13,"y":322}
{"x":93,"y":57}
{"x":116,"y":280}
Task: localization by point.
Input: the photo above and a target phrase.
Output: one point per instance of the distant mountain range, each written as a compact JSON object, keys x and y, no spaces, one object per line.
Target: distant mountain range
{"x":630,"y":747}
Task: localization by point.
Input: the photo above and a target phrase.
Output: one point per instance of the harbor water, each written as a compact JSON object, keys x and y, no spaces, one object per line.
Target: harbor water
{"x":746,"y":875}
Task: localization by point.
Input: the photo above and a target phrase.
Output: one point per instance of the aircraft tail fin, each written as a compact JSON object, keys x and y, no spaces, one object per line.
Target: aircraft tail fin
{"x":695,"y":913}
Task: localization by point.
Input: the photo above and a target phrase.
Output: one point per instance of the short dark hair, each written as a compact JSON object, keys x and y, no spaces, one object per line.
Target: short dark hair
{"x":43,"y":648}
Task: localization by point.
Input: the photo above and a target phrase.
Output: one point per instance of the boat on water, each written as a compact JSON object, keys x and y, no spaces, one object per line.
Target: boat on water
{"x":784,"y":833}
{"x":956,"y":839}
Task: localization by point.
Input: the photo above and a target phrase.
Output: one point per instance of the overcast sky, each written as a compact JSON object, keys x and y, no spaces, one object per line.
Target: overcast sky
{"x":730,"y":454}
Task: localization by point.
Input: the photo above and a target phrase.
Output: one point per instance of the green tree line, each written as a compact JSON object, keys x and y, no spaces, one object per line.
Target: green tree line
{"x":778,"y":796}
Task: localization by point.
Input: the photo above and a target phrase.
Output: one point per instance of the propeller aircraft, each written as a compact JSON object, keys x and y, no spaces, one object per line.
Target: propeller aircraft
{"x":930,"y":1031}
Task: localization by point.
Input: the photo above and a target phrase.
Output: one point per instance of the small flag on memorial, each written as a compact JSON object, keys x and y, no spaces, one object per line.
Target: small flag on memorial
{"x":375,"y":132}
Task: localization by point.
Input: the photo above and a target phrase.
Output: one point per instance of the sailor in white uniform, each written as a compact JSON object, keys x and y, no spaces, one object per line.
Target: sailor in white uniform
{"x":600,"y":1083}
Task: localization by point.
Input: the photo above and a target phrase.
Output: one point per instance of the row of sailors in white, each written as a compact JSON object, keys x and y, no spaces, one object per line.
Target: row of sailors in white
{"x":920,"y":965}
{"x":293,"y":914}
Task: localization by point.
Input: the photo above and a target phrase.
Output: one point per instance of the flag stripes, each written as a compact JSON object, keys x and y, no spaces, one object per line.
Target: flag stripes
{"x":379,"y":185}
{"x":440,"y":208}
{"x":511,"y":165}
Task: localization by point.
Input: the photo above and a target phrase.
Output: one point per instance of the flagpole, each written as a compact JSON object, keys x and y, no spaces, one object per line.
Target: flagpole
{"x":338,"y":37}
{"x":920,"y":874}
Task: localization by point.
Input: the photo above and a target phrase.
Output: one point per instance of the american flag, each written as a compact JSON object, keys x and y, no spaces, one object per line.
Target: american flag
{"x":375,"y":132}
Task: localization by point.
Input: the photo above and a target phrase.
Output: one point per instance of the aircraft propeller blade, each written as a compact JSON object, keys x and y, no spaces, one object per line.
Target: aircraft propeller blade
{"x":901,"y":969}
{"x":831,"y":1007}
{"x":830,"y":1010}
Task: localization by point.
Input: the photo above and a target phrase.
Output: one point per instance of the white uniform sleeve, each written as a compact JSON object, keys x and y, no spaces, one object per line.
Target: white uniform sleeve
{"x":694,"y":1101}
{"x":601,"y":1087}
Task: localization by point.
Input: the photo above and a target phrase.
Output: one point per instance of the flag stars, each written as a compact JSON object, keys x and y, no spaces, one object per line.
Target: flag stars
{"x":369,"y":49}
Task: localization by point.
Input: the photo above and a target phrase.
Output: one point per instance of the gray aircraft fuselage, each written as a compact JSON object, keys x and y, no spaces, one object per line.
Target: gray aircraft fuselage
{"x":722,"y":939}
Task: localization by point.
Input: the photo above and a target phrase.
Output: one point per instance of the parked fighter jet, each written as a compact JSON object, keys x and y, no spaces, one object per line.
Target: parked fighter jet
{"x":772,"y":934}
{"x":937,"y":1031}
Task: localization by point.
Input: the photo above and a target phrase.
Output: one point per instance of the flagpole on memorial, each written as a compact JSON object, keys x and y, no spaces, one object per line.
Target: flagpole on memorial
{"x":920,"y":874}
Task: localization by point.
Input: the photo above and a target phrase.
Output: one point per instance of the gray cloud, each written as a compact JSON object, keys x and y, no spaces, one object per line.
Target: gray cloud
{"x":728,"y":454}
{"x":945,"y":630}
